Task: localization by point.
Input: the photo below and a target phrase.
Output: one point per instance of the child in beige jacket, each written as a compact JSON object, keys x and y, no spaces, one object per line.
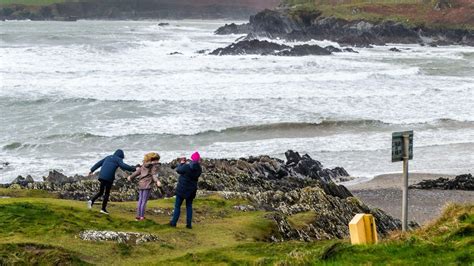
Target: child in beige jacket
{"x":146,"y":175}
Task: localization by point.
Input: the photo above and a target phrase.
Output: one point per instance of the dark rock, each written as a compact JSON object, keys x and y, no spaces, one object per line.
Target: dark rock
{"x":22,"y":181}
{"x":332,"y":49}
{"x":202,"y":51}
{"x":3,"y":165}
{"x":57,"y":178}
{"x":175,"y":53}
{"x":460,"y":182}
{"x":269,"y":48}
{"x":305,"y":25}
{"x":233,"y":29}
{"x":253,"y":174}
{"x":350,"y":50}
{"x":394,"y":49}
{"x":303,"y":50}
{"x":162,"y":24}
{"x":250,"y":47}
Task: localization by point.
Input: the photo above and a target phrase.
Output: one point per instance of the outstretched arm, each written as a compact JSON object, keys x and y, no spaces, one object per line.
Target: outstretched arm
{"x":97,"y":165}
{"x":125,"y":166}
{"x":135,"y":174}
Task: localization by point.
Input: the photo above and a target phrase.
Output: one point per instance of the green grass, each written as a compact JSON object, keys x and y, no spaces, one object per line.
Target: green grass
{"x":412,"y":13}
{"x":43,"y":230}
{"x":4,"y":192}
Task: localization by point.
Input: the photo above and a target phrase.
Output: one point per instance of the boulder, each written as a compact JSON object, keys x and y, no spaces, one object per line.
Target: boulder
{"x":460,"y":182}
{"x":250,"y":47}
{"x":270,"y":48}
{"x":233,"y":29}
{"x":303,"y":50}
{"x":57,"y":178}
{"x":350,"y":50}
{"x":394,"y":49}
{"x":119,"y":237}
{"x":22,"y":181}
{"x":332,"y":49}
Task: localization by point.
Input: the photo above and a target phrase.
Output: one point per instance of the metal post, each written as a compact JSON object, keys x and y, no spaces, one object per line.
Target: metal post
{"x":406,"y":155}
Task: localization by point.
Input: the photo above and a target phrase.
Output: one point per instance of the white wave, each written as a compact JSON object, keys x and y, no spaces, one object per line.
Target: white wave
{"x":136,"y":87}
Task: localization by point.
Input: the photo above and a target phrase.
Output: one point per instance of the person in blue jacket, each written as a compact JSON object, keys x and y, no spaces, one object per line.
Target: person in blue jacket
{"x":186,"y":188}
{"x":107,"y":176}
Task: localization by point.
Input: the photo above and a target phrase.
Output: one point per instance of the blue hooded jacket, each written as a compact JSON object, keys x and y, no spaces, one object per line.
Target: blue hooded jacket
{"x":110,"y":164}
{"x":188,"y":179}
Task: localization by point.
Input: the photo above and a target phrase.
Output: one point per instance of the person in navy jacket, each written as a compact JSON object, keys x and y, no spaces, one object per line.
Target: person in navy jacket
{"x":186,"y":188}
{"x":108,"y":167}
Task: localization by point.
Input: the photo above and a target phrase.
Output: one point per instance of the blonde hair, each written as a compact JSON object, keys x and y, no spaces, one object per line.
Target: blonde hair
{"x":151,"y":156}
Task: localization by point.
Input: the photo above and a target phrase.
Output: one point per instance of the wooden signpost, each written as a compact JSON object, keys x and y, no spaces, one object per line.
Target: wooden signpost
{"x":402,"y":150}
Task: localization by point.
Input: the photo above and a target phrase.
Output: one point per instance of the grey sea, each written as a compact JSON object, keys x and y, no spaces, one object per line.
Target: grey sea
{"x":72,"y":92}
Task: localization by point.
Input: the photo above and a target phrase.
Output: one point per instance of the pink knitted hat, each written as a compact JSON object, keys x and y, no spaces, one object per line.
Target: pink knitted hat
{"x":195,"y":157}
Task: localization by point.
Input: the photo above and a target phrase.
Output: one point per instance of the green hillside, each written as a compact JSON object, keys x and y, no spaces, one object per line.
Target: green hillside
{"x":42,"y":229}
{"x":439,"y":13}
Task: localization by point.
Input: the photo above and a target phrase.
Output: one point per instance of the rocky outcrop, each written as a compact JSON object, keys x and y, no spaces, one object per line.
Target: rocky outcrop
{"x":119,"y":237}
{"x":332,"y":214}
{"x":258,"y":47}
{"x":251,"y":47}
{"x":460,"y":182}
{"x":233,"y":28}
{"x":303,"y":50}
{"x":308,"y":25}
{"x":285,"y":188}
{"x":23,"y":181}
{"x":252,"y":175}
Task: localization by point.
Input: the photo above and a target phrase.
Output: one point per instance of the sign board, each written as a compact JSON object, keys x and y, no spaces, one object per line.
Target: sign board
{"x":397,"y":145}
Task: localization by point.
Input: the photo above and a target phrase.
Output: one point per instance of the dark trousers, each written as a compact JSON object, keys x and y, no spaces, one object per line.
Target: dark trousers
{"x":104,"y":186}
{"x":177,"y":210}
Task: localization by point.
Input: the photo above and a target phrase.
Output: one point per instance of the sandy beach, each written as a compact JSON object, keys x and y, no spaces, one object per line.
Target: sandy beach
{"x":384,"y":192}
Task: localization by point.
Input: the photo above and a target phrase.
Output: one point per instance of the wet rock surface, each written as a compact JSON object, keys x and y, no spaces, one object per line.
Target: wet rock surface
{"x":250,"y":47}
{"x":460,"y":182}
{"x":298,"y":185}
{"x":270,"y":48}
{"x":308,"y":25}
{"x":233,"y":28}
{"x":119,"y":237}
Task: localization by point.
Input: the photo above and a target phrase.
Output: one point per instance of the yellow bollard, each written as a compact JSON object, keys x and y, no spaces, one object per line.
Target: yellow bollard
{"x":362,"y":229}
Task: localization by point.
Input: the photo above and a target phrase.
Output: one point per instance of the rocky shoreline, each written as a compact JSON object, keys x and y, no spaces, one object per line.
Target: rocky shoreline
{"x":311,"y":25}
{"x":460,"y":182}
{"x":285,"y":188}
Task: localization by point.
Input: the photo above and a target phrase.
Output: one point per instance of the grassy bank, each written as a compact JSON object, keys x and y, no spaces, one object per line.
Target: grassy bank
{"x":457,"y":13}
{"x":42,"y":229}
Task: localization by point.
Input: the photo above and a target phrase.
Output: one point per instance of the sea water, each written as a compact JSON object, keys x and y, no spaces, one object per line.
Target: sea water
{"x":73,"y":92}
